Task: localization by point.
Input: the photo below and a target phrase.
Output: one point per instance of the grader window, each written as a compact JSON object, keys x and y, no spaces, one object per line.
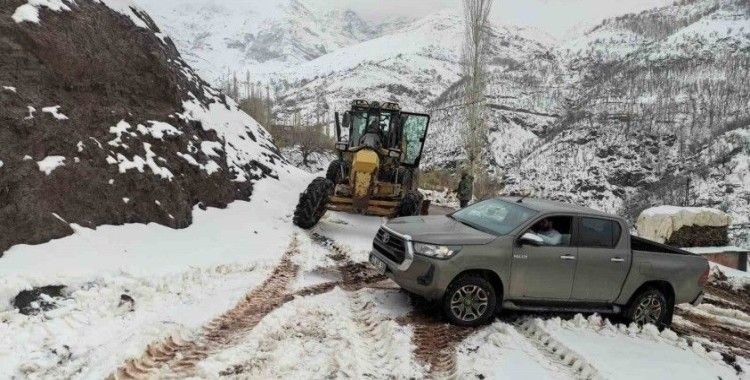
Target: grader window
{"x":414,"y":132}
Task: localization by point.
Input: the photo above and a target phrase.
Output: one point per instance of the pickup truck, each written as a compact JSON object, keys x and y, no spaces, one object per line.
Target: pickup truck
{"x":538,"y":255}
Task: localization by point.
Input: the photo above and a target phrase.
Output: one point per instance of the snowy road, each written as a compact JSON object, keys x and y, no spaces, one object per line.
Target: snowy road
{"x":343,"y":320}
{"x":243,"y":294}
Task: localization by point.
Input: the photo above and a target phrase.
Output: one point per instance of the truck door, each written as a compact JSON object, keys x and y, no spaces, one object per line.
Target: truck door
{"x":544,"y":271}
{"x":603,"y":260}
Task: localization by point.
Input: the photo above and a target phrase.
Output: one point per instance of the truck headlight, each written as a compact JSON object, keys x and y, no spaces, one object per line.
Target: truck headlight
{"x":436,"y":251}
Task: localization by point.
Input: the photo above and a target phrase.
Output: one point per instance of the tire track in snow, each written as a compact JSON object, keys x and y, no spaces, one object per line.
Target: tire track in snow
{"x":436,"y":342}
{"x":533,"y":330}
{"x":176,"y":357}
{"x":376,"y":333}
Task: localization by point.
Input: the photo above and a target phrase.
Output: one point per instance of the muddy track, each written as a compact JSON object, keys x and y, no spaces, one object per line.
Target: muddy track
{"x":436,"y":342}
{"x":176,"y":358}
{"x":435,"y":339}
{"x":731,"y":341}
{"x":735,"y":299}
{"x":354,"y":276}
{"x":734,"y":340}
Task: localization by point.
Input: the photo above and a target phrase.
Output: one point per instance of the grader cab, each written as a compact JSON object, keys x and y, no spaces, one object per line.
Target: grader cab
{"x":379,"y":148}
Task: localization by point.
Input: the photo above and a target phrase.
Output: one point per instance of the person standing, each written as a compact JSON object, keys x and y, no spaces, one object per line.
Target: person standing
{"x":465,"y":189}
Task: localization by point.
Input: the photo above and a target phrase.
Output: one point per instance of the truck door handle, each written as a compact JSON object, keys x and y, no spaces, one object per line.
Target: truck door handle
{"x":617,"y":259}
{"x":568,"y":257}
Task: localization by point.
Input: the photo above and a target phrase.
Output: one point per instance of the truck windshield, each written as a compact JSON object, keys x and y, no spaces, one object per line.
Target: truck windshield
{"x":494,"y":216}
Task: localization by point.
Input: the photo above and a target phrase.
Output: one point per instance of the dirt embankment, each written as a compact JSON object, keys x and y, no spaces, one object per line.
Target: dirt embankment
{"x":101,"y":69}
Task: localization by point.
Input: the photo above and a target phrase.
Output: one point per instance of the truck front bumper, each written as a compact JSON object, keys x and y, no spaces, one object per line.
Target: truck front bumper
{"x":422,"y":276}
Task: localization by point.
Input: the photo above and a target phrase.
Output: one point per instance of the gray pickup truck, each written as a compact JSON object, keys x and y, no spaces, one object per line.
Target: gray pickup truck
{"x":539,"y":255}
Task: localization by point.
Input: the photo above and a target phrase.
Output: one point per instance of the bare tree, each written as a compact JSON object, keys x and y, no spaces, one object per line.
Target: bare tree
{"x":476,"y":13}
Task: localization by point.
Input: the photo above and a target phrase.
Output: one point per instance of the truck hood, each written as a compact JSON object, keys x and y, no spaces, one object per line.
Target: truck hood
{"x":439,"y":229}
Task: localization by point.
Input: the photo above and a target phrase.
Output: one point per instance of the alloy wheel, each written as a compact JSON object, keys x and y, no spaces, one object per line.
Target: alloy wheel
{"x":649,"y":310}
{"x":469,"y":302}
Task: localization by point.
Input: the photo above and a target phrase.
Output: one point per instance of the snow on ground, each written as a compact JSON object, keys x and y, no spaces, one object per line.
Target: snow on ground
{"x":736,"y":279}
{"x":9,"y":88}
{"x":179,"y":280}
{"x":621,"y":352}
{"x":50,"y":163}
{"x":499,"y":351}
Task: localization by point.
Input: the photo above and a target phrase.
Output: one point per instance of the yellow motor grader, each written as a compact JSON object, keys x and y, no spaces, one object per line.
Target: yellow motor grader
{"x":377,"y":166}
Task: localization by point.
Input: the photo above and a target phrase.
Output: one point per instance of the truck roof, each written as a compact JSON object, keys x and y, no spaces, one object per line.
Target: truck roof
{"x":546,"y":205}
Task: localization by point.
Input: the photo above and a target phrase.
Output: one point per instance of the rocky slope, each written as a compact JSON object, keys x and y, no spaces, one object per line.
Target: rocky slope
{"x":104,"y":123}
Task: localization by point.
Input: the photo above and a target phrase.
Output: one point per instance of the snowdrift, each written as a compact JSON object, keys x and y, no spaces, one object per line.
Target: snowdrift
{"x":104,"y":123}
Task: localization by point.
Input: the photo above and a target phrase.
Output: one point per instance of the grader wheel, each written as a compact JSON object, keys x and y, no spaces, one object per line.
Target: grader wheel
{"x":312,"y":203}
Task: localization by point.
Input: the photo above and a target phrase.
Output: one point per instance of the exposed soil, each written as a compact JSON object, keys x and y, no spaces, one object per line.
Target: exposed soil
{"x":699,"y":236}
{"x":730,"y":341}
{"x":100,"y":68}
{"x":175,"y":358}
{"x":33,"y":301}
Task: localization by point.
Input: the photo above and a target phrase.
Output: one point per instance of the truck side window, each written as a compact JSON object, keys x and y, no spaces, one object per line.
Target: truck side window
{"x":554,"y":230}
{"x":598,"y":233}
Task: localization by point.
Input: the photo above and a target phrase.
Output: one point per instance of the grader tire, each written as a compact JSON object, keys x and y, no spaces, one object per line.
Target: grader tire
{"x":312,"y":203}
{"x":411,"y":204}
{"x":334,"y":172}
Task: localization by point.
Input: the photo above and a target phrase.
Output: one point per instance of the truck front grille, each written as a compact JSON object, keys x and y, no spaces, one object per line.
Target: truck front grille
{"x":390,"y":245}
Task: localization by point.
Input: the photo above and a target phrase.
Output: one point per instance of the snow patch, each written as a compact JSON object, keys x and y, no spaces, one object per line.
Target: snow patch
{"x":29,"y":12}
{"x":139,"y":163}
{"x":50,"y":163}
{"x":55,"y":112}
{"x":158,"y":130}
{"x":31,"y":113}
{"x":9,"y":88}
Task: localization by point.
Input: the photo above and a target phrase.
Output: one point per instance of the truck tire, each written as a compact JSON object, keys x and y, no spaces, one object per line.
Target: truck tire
{"x":312,"y":203}
{"x":470,"y":300}
{"x":650,"y":305}
{"x":335,"y":173}
{"x":411,"y":204}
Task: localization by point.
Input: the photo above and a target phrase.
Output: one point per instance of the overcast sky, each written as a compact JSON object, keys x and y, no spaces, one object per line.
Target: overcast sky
{"x":556,"y":17}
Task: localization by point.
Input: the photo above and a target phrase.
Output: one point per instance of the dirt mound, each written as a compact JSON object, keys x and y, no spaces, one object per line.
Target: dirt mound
{"x":699,"y":236}
{"x":104,"y":123}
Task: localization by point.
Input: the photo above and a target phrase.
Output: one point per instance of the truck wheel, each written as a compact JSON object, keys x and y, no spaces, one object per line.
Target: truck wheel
{"x":334,"y":172}
{"x":411,"y":204}
{"x":649,"y":306}
{"x":312,"y":203}
{"x":469,"y":301}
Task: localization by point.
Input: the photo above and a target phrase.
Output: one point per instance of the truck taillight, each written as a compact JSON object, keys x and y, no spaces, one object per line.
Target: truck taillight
{"x":704,"y":277}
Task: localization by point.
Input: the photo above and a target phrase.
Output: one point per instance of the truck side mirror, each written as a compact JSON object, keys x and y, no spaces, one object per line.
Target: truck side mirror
{"x":531,"y":239}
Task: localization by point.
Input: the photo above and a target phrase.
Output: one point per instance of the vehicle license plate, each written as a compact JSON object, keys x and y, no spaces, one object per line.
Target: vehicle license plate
{"x":378,"y":264}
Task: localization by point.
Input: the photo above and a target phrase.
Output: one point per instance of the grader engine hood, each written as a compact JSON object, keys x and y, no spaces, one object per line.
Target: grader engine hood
{"x":364,"y":166}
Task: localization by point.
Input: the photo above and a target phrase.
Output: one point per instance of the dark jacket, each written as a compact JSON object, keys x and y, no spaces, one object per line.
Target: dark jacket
{"x":465,"y":188}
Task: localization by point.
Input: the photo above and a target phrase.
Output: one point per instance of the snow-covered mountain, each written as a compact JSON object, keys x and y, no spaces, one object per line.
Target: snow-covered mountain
{"x":605,"y":119}
{"x":221,"y":38}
